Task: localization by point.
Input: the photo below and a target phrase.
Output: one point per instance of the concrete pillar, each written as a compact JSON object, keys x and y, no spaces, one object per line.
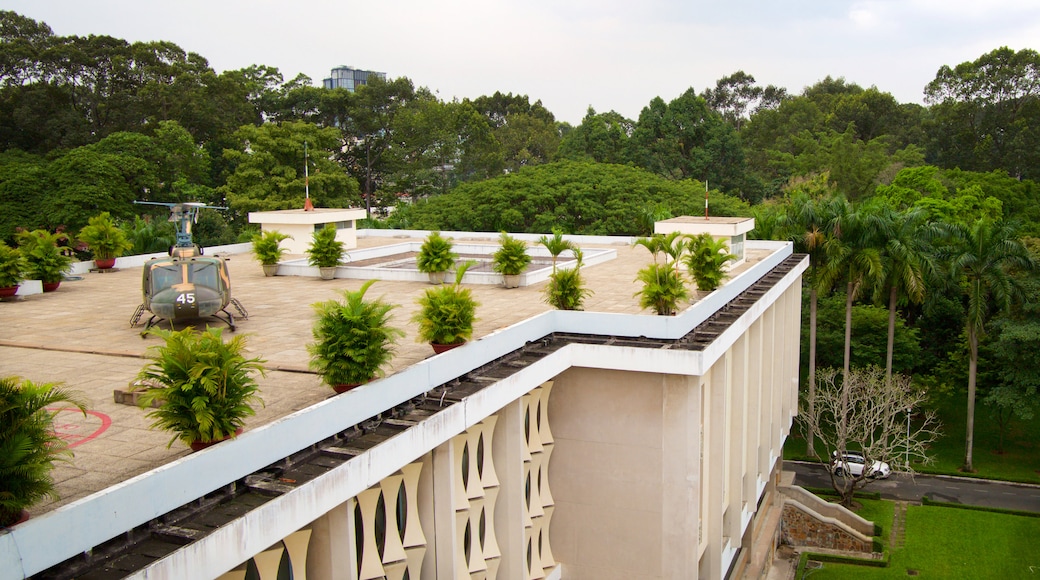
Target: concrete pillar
{"x":680,"y":476}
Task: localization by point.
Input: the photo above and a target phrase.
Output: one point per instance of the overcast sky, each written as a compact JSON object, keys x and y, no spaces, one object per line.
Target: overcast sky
{"x":572,"y":54}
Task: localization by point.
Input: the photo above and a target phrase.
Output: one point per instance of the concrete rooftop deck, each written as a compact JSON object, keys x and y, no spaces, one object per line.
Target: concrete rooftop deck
{"x":80,"y":335}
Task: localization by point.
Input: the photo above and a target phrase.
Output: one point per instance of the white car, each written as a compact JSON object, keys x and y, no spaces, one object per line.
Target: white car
{"x":852,"y":463}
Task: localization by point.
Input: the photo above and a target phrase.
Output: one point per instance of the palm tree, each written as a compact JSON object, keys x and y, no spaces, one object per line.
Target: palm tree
{"x":981,"y":258}
{"x":556,"y":245}
{"x":809,"y":220}
{"x":906,"y":263}
{"x":854,"y":254}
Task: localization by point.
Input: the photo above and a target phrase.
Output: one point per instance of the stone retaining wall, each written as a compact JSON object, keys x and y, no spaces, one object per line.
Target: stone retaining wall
{"x":801,"y":527}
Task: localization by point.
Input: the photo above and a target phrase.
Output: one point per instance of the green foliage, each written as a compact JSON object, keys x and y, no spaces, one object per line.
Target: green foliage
{"x":12,"y":267}
{"x":22,"y":178}
{"x":104,"y":239}
{"x":575,"y":197}
{"x":150,"y":236}
{"x":447,"y":313}
{"x":44,"y":259}
{"x":566,"y":288}
{"x":663,"y":289}
{"x":556,"y":245}
{"x":268,"y":169}
{"x":663,"y":284}
{"x":706,"y":259}
{"x":267,"y":248}
{"x":353,"y":339}
{"x":511,"y":258}
{"x":206,"y":385}
{"x":435,"y":254}
{"x":29,"y":445}
{"x":325,"y":250}
{"x":869,"y":336}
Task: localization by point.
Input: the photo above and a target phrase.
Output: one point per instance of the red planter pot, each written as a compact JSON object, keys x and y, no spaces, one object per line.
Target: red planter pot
{"x":8,"y":291}
{"x":439,"y":348}
{"x":104,"y":264}
{"x":200,"y":445}
{"x":50,"y":286}
{"x":344,"y":387}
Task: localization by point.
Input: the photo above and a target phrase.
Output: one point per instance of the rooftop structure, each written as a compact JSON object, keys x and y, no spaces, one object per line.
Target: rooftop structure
{"x":663,"y":434}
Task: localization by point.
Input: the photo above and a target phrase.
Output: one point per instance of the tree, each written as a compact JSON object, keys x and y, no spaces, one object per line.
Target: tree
{"x":865,"y":413}
{"x":579,"y":197}
{"x":685,"y":139}
{"x":809,"y":219}
{"x":981,"y":259}
{"x":985,"y":114}
{"x":854,"y":255}
{"x":367,"y":131}
{"x":601,"y":137}
{"x":905,"y":263}
{"x":268,"y":169}
{"x":735,"y":97}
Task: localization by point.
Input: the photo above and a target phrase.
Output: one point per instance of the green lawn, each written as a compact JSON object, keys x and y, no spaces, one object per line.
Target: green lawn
{"x":943,"y":542}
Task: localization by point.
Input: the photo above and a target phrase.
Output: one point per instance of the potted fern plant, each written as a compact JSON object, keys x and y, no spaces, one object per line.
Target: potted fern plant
{"x":11,"y":270}
{"x":436,"y":257}
{"x":510,"y":260}
{"x":353,"y":339}
{"x":106,"y":241}
{"x":205,"y":386}
{"x":268,"y":250}
{"x":446,"y":314}
{"x":29,"y":445}
{"x":325,"y":252}
{"x":45,"y":261}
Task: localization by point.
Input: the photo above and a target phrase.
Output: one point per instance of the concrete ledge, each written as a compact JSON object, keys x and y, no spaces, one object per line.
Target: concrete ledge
{"x":829,"y":510}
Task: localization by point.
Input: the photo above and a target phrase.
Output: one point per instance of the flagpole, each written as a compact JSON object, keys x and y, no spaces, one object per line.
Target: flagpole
{"x":307,"y":205}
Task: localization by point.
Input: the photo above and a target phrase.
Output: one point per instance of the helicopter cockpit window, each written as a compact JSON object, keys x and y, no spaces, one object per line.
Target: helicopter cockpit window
{"x":204,"y":274}
{"x":164,"y":277}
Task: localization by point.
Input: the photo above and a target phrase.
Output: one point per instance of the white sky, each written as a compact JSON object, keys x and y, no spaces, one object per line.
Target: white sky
{"x":572,"y":54}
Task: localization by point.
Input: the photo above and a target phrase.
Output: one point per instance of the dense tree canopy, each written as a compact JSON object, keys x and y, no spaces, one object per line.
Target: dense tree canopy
{"x":577,"y":197}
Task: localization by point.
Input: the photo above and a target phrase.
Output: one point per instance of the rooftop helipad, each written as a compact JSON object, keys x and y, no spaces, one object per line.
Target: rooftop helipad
{"x":80,"y":335}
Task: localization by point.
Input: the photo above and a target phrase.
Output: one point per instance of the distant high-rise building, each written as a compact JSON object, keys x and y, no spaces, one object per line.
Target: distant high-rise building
{"x":345,"y":77}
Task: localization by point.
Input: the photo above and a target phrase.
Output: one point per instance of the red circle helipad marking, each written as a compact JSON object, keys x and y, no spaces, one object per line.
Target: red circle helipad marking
{"x":71,"y":425}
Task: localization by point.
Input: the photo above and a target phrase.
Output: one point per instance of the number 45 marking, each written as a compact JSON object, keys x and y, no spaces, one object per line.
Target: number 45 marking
{"x":186,"y":298}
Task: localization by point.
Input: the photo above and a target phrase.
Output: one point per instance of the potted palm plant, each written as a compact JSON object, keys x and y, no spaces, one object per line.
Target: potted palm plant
{"x":436,"y":257}
{"x":268,"y":250}
{"x":44,"y":260}
{"x":29,"y":445}
{"x":325,"y":252}
{"x":566,"y":288}
{"x":106,"y":241}
{"x":663,"y":284}
{"x":446,"y":314}
{"x":12,"y":269}
{"x":706,"y":261}
{"x":352,"y":339}
{"x":510,"y":260}
{"x":205,"y":386}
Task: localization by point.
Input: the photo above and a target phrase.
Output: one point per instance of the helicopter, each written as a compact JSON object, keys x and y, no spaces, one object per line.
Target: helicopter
{"x":186,"y":285}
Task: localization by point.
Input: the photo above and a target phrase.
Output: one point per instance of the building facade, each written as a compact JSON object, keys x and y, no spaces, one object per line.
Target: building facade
{"x":345,"y":77}
{"x":573,"y":445}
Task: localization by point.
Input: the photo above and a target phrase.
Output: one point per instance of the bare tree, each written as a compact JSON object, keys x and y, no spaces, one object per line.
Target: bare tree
{"x":867,"y":415}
